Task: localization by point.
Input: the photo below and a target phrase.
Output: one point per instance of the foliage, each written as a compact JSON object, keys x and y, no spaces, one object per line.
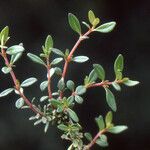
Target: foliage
{"x":57,"y":107}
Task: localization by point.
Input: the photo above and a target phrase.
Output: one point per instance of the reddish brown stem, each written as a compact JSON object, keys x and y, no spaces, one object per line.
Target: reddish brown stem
{"x":49,"y":79}
{"x":87,"y":147}
{"x":68,"y":59}
{"x":17,"y":86}
{"x":99,"y":84}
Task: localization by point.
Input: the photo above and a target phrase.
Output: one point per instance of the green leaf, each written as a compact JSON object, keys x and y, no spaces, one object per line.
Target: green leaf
{"x":6,"y":70}
{"x":36,"y":59}
{"x":15,"y":57}
{"x":13,"y":50}
{"x":117,"y":129}
{"x":58,"y":52}
{"x":118,"y":66}
{"x":91,"y":16}
{"x":92,"y":76}
{"x":56,"y":61}
{"x":46,"y":127}
{"x":131,"y":83}
{"x":80,"y":59}
{"x":19,"y":103}
{"x":100,"y":122}
{"x":6,"y":92}
{"x":88,"y":136}
{"x":43,"y":98}
{"x":78,"y":99}
{"x":28,"y":82}
{"x":108,"y":118}
{"x":80,"y":90}
{"x":100,"y":71}
{"x":102,"y":141}
{"x":62,"y":127}
{"x":116,"y":86}
{"x":4,"y":35}
{"x":55,"y":102}
{"x":110,"y":99}
{"x":107,"y":27}
{"x":48,"y":44}
{"x":43,"y":85}
{"x":74,"y":23}
{"x":61,"y":84}
{"x":73,"y":115}
{"x":70,"y":85}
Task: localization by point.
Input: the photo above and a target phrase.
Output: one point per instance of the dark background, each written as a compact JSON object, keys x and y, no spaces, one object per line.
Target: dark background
{"x":30,"y":21}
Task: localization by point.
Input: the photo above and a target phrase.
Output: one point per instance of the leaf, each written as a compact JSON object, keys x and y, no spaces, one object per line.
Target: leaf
{"x":4,"y":35}
{"x":80,"y":90}
{"x":51,"y":71}
{"x":70,"y":85}
{"x":92,"y":76}
{"x":48,"y":43}
{"x":78,"y":99}
{"x":28,"y":82}
{"x":110,"y":99}
{"x":58,"y":52}
{"x":86,"y":24}
{"x":100,"y":71}
{"x":91,"y":16}
{"x":118,"y":129}
{"x":73,"y":115}
{"x":36,"y":59}
{"x":19,"y":103}
{"x":43,"y":85}
{"x":88,"y":136}
{"x":55,"y":102}
{"x":102,"y":141}
{"x":116,"y":86}
{"x":6,"y":92}
{"x":46,"y":127}
{"x":131,"y":83}
{"x":100,"y":122}
{"x":15,"y":57}
{"x":56,"y":61}
{"x":62,"y":127}
{"x":108,"y":118}
{"x":61,"y":84}
{"x":43,"y":98}
{"x":13,"y":50}
{"x":118,"y":66}
{"x":80,"y":59}
{"x":105,"y":28}
{"x":6,"y":70}
{"x":74,"y":23}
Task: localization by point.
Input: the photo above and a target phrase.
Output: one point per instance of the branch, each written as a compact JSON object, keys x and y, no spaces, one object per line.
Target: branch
{"x":68,"y":59}
{"x":17,"y":86}
{"x":49,"y":78}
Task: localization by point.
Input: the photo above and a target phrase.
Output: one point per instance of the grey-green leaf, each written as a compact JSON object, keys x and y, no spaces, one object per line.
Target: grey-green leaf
{"x":6,"y":92}
{"x":78,"y":99}
{"x":131,"y":83}
{"x":74,"y":23}
{"x":6,"y":70}
{"x":100,"y":122}
{"x":36,"y":59}
{"x":28,"y":82}
{"x":92,"y":76}
{"x":88,"y":136}
{"x":80,"y":59}
{"x":15,"y":57}
{"x":100,"y":71}
{"x":106,"y":28}
{"x":70,"y":85}
{"x":19,"y":103}
{"x":73,"y":115}
{"x":56,"y":61}
{"x":61,"y":84}
{"x":58,"y":52}
{"x":80,"y":90}
{"x":110,"y":99}
{"x":116,"y":86}
{"x":62,"y":127}
{"x":102,"y":141}
{"x":13,"y":50}
{"x":43,"y":85}
{"x":118,"y":129}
